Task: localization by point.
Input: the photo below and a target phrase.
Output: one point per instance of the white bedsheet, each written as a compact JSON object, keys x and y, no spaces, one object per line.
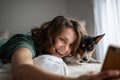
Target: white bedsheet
{"x":84,"y":68}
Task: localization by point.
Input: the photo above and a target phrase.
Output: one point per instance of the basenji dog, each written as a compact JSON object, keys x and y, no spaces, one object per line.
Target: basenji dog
{"x":85,"y":51}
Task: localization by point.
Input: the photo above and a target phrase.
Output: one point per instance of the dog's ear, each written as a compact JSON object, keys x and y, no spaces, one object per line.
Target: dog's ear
{"x":98,"y":38}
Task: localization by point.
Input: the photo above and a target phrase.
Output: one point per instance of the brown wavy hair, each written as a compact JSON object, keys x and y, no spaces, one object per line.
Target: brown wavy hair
{"x":44,"y":35}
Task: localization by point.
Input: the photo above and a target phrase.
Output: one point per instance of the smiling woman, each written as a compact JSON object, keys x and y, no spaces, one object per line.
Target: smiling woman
{"x":58,"y":37}
{"x":64,"y":43}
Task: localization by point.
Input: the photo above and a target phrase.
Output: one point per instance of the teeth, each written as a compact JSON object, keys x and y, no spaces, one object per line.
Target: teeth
{"x":60,"y":51}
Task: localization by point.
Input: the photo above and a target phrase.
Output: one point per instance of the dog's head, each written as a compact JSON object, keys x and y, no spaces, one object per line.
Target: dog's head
{"x":87,"y":47}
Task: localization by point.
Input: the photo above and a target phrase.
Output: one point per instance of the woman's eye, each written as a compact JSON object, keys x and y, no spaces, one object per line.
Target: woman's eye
{"x":63,"y":40}
{"x":71,"y":46}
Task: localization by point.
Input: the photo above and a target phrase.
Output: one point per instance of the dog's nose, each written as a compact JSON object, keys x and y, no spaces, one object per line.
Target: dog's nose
{"x":85,"y":59}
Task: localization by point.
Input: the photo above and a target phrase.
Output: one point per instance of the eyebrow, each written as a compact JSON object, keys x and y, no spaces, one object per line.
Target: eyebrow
{"x":67,"y":40}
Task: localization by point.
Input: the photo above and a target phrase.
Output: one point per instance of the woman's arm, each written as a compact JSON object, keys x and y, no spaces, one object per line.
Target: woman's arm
{"x":24,"y":69}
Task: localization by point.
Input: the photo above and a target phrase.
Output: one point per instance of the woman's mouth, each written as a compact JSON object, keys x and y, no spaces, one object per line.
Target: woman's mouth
{"x":59,"y":52}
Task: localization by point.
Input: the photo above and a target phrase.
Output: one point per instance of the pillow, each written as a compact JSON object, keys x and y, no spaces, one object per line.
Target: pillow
{"x":52,"y":64}
{"x":4,"y":35}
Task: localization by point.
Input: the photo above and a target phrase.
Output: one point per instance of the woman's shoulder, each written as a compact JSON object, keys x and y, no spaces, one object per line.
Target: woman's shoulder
{"x":21,"y":35}
{"x":17,"y":41}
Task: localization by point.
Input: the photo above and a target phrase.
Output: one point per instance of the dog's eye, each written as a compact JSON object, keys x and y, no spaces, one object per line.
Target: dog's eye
{"x":83,"y":45}
{"x":89,"y":45}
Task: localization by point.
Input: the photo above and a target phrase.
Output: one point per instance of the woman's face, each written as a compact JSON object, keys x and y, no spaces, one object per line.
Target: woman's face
{"x":63,"y":43}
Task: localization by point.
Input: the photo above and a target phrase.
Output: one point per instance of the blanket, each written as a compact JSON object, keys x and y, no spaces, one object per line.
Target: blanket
{"x":52,"y":64}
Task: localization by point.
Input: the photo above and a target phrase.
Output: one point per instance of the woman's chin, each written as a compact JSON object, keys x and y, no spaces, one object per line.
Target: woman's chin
{"x":57,"y":55}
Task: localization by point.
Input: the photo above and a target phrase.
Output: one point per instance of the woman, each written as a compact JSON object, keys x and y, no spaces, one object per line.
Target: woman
{"x":58,"y":37}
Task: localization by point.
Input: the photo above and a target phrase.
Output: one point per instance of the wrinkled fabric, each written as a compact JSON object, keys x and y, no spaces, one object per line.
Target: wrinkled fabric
{"x":7,"y":48}
{"x":52,"y":64}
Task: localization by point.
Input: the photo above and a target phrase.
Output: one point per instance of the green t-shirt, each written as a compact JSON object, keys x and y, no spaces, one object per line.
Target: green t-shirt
{"x":17,"y":41}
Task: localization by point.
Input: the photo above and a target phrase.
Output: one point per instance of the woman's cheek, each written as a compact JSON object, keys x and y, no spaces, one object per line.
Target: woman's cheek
{"x":59,"y":44}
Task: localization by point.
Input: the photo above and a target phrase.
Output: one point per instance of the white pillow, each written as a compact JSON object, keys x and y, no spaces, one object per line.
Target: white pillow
{"x":52,"y":64}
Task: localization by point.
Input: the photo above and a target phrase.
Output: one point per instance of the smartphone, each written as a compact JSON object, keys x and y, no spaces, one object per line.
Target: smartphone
{"x":112,"y":58}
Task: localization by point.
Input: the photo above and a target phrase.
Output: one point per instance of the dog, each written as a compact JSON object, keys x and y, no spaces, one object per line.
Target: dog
{"x":85,"y":51}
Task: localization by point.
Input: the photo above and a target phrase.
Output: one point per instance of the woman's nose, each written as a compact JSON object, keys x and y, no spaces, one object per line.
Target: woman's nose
{"x":66,"y":47}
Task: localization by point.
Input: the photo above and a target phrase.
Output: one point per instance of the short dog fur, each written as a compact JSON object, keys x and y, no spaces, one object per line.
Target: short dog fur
{"x":85,"y":51}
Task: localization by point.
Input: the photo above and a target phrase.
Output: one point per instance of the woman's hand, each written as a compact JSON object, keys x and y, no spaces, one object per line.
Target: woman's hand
{"x":104,"y":75}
